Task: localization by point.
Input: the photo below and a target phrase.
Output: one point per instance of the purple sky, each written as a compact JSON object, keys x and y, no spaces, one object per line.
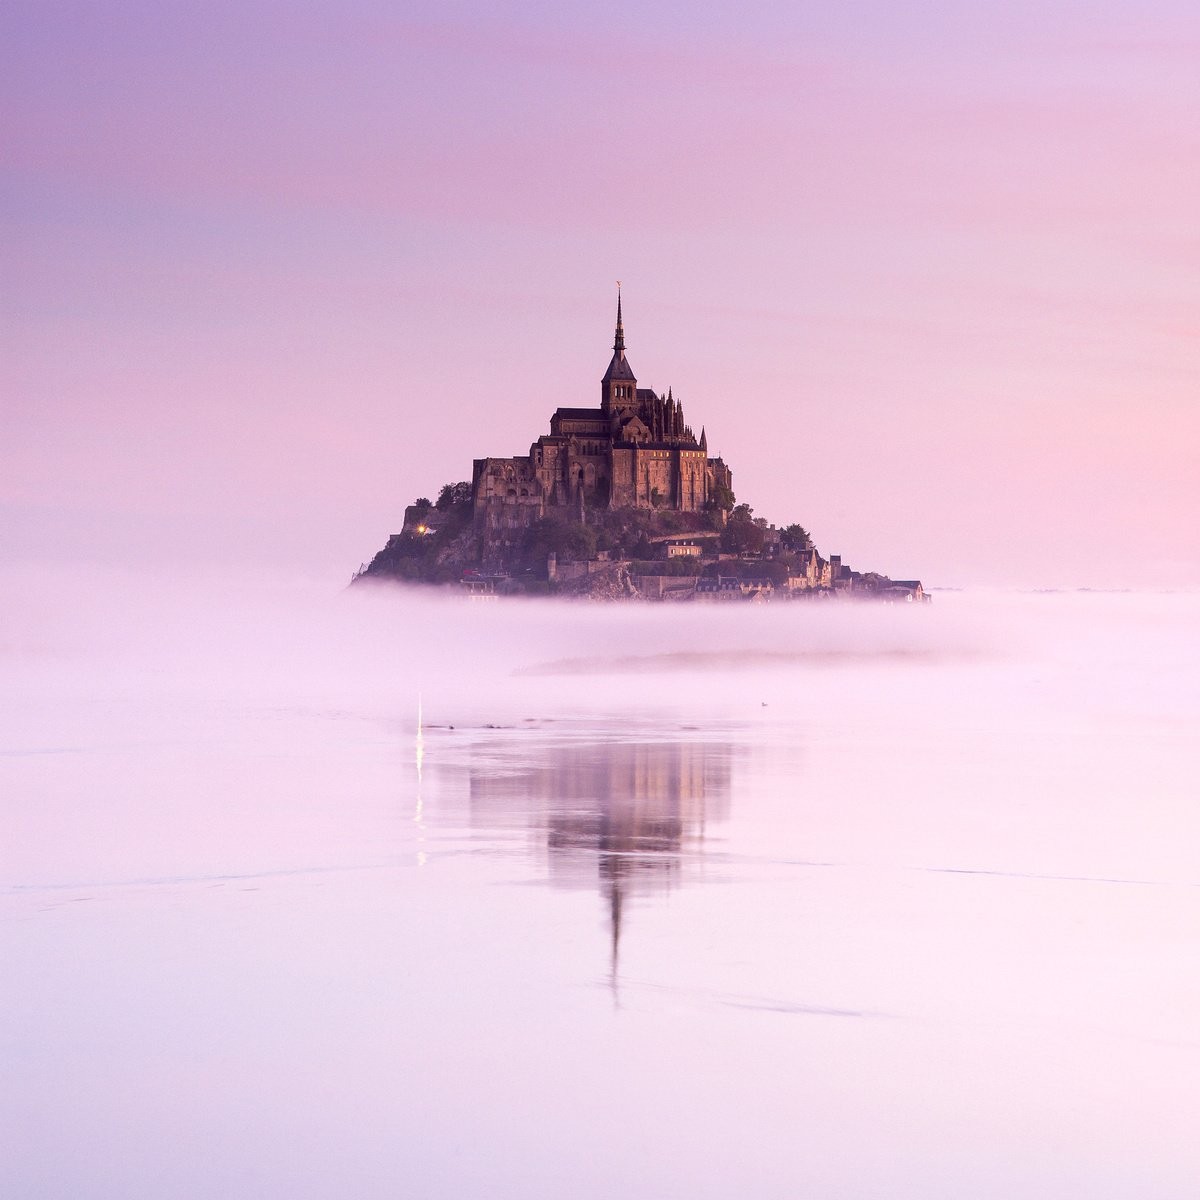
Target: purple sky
{"x":930,"y":276}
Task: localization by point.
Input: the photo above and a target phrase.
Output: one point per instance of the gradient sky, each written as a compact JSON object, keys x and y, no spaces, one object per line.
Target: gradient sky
{"x":929,"y":274}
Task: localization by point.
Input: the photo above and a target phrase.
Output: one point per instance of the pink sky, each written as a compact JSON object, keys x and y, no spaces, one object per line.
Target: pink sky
{"x":930,"y":277}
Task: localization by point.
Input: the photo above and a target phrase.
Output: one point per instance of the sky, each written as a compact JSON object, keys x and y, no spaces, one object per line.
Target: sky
{"x":928,"y":274}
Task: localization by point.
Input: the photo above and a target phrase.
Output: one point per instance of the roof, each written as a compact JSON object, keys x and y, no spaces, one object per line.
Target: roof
{"x":580,"y":414}
{"x":619,"y":368}
{"x":675,"y":444}
{"x":685,"y":537}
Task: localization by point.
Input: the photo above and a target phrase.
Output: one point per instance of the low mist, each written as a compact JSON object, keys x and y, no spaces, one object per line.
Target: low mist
{"x":380,"y":646}
{"x":301,"y":872}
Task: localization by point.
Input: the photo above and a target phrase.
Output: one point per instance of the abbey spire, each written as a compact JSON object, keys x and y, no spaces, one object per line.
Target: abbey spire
{"x":618,"y":388}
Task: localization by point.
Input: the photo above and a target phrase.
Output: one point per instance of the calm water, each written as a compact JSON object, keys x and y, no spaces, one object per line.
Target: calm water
{"x":374,"y":897}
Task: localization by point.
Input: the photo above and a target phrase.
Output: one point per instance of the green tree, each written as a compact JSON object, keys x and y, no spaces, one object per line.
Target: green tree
{"x":722,"y":497}
{"x":453,"y":495}
{"x":683,"y":565}
{"x":568,"y":539}
{"x":796,"y":537}
{"x":741,"y":534}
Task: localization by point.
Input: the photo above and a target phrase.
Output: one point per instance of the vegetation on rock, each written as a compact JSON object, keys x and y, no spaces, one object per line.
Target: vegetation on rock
{"x":610,"y":553}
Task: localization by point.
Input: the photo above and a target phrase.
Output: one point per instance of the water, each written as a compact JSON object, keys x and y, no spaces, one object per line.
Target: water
{"x":373,"y":896}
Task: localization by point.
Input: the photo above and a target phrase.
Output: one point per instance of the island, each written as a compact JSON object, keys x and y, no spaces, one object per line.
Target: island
{"x":618,"y":502}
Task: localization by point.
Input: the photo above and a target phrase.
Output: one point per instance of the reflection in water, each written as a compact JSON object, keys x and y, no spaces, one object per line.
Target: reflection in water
{"x":629,"y":814}
{"x":419,"y":815}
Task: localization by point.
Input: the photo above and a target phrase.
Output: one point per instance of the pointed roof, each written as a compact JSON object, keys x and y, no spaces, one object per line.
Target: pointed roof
{"x":619,"y":368}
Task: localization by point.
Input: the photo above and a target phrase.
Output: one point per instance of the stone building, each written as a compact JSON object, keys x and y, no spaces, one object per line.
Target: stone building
{"x":636,"y":450}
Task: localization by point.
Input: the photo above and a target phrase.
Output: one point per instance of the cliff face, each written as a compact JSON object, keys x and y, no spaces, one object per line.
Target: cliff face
{"x":441,"y":544}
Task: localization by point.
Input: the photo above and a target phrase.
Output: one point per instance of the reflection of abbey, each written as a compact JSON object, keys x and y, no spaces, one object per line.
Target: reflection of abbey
{"x":635,"y":450}
{"x":628,"y":816}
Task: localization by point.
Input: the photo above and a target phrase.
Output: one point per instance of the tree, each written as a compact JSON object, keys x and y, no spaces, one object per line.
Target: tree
{"x":568,"y":539}
{"x":452,"y":495}
{"x":776,"y":572}
{"x":722,"y":497}
{"x":797,"y":537}
{"x":575,"y":543}
{"x":741,"y":534}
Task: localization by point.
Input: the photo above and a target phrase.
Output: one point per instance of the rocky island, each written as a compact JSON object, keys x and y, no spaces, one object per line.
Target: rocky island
{"x":618,"y":502}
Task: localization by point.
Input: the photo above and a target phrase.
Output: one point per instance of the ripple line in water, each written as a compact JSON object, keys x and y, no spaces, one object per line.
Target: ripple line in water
{"x":757,"y":1003}
{"x":1055,"y":878}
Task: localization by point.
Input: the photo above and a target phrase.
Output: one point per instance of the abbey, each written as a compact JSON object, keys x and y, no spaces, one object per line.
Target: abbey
{"x":617,"y":502}
{"x":635,"y":451}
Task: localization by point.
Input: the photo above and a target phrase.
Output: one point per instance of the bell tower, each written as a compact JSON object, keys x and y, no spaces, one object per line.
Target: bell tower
{"x":618,"y":388}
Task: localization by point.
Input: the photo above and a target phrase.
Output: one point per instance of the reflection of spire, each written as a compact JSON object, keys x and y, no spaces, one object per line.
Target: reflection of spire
{"x":616,"y":898}
{"x":627,"y":812}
